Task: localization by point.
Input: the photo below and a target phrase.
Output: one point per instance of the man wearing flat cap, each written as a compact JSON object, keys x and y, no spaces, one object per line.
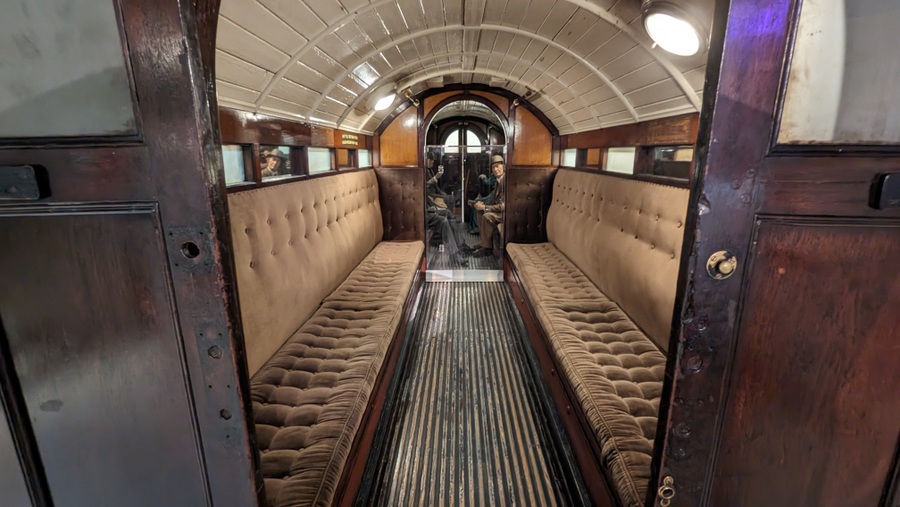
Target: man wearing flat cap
{"x":274,"y":163}
{"x":490,"y":212}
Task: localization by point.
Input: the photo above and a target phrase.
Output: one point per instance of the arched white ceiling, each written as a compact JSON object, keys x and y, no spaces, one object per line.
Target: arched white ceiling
{"x":468,"y":108}
{"x":589,"y":61}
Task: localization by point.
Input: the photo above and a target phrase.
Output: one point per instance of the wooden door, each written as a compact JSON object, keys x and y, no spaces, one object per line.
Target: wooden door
{"x":122,"y":375}
{"x":784,"y":390}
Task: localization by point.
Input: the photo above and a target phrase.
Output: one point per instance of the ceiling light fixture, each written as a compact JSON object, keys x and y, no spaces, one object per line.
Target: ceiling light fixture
{"x":382,"y":98}
{"x":385,"y":102}
{"x":673,"y":27}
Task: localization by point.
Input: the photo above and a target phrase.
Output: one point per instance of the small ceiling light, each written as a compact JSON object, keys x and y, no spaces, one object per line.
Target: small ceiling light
{"x":385,"y":102}
{"x":673,"y":28}
{"x":382,"y":97}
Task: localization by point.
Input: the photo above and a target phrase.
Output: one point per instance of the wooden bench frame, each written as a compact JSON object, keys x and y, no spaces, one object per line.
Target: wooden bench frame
{"x":584,"y":445}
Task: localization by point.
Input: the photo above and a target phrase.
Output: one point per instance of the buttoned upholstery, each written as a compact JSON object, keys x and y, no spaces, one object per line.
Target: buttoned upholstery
{"x":614,"y":370}
{"x":625,"y":236}
{"x":321,"y":299}
{"x":402,"y":196}
{"x":309,"y":399}
{"x":609,"y":236}
{"x":293,"y":245}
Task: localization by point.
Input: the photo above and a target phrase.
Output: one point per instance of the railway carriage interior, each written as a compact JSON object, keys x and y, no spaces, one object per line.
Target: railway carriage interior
{"x":299,"y":253}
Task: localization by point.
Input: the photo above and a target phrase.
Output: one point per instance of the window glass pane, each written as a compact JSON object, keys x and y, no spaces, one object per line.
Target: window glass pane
{"x":233,"y":159}
{"x":844,"y":82}
{"x":275,"y":162}
{"x":620,"y":160}
{"x":452,"y":144}
{"x":673,"y":161}
{"x":67,"y":75}
{"x":472,"y":141}
{"x":569,"y":157}
{"x":364,"y":158}
{"x":319,"y":160}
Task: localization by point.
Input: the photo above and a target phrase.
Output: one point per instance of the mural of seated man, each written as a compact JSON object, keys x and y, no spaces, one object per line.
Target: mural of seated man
{"x":490,"y":209}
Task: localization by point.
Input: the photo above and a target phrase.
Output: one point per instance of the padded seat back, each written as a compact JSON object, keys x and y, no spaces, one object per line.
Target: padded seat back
{"x":293,"y":245}
{"x":626,"y":236}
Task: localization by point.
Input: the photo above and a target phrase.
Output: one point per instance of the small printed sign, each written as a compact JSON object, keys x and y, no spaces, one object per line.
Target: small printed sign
{"x":350,"y":139}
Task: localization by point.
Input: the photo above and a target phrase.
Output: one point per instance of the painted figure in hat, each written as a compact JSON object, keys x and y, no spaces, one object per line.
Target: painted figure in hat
{"x":490,"y":210}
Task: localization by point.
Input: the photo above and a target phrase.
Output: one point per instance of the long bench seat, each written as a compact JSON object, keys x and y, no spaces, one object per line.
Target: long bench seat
{"x":322,"y":298}
{"x":602,"y":290}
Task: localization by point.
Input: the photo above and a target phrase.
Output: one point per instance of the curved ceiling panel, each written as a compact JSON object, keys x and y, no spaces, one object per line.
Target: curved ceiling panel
{"x":586,"y":64}
{"x":468,"y":108}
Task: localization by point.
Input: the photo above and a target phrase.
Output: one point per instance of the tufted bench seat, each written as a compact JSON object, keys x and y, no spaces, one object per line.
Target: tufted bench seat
{"x":322,"y":298}
{"x":602,"y":290}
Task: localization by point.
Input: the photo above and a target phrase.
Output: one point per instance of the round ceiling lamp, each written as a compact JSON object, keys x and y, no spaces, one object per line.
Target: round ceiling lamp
{"x":382,"y":98}
{"x":385,"y":102}
{"x":673,"y":27}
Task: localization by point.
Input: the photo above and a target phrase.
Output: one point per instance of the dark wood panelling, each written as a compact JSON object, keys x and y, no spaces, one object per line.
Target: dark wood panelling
{"x":23,"y":449}
{"x":12,"y":477}
{"x":67,"y":170}
{"x":666,"y":131}
{"x":827,"y":185}
{"x":399,"y":142}
{"x":761,"y":353}
{"x":528,"y":194}
{"x":817,"y":354}
{"x":173,"y":166}
{"x":96,"y":376}
{"x":322,"y":137}
{"x":401,"y":192}
{"x":241,"y":127}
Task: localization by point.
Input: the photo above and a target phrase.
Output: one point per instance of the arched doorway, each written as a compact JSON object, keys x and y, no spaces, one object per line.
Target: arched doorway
{"x":462,"y":134}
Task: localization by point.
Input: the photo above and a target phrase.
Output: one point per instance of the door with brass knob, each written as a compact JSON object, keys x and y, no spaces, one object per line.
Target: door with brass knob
{"x":785,"y":337}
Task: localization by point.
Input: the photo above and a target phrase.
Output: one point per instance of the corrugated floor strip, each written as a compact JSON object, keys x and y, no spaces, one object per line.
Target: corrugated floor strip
{"x":438,"y":259}
{"x":469,"y":422}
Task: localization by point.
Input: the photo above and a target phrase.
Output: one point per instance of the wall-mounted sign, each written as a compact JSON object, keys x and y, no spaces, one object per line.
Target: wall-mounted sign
{"x":350,"y":139}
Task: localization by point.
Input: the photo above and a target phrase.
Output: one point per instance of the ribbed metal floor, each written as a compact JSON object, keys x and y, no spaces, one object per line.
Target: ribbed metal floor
{"x":469,"y":423}
{"x":438,"y":259}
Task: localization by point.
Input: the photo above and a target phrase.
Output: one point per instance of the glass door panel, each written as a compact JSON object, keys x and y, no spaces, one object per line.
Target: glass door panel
{"x":464,"y":211}
{"x":844,"y":82}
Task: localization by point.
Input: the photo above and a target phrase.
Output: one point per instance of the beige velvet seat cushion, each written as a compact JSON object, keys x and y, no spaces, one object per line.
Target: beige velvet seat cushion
{"x":293,"y":245}
{"x":309,"y":398}
{"x":614,"y":369}
{"x":625,"y":236}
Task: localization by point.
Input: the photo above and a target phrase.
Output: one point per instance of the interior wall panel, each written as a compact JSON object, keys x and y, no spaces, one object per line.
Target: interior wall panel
{"x":12,"y":481}
{"x":501,"y":102}
{"x":533,"y":141}
{"x":430,"y":102}
{"x":104,"y":435}
{"x":817,"y":355}
{"x":400,"y":140}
